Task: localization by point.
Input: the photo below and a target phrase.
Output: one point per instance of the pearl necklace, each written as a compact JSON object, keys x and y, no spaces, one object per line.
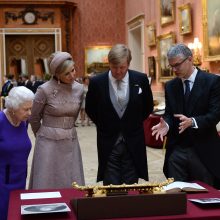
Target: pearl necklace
{"x":11,"y":118}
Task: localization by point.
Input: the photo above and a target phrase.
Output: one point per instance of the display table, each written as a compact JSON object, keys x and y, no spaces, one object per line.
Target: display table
{"x":193,"y":211}
{"x":150,"y":140}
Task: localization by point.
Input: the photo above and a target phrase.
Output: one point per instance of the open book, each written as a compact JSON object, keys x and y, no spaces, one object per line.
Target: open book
{"x":179,"y":186}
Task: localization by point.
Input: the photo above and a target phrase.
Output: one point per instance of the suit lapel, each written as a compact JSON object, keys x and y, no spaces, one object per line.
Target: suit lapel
{"x":132,"y":86}
{"x":178,"y":96}
{"x":105,"y":86}
{"x":196,"y":92}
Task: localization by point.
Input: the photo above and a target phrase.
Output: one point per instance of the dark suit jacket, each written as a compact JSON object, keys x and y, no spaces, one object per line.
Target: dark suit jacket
{"x":204,"y":106}
{"x":28,"y":84}
{"x":36,"y":84}
{"x":6,"y":88}
{"x":100,"y":109}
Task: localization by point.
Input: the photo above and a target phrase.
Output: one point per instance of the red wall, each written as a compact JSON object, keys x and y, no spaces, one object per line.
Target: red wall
{"x":97,"y":23}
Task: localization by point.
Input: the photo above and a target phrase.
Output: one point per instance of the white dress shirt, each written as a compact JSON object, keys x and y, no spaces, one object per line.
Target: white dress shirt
{"x":124,"y":83}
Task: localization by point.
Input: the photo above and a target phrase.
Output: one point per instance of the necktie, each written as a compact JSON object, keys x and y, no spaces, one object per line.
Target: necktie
{"x":120,"y":92}
{"x":187,"y":90}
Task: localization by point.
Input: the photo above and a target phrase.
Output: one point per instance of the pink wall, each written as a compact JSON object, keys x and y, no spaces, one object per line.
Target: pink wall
{"x":104,"y":22}
{"x":97,"y":23}
{"x":151,"y":10}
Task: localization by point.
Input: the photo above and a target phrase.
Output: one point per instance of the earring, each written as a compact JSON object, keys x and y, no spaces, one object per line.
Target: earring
{"x":58,"y":81}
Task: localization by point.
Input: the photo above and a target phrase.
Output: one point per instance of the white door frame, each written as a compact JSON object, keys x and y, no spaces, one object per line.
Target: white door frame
{"x":25,"y":31}
{"x":136,"y":42}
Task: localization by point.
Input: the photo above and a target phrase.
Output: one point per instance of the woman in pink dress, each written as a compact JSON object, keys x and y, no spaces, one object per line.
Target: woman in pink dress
{"x":57,"y":161}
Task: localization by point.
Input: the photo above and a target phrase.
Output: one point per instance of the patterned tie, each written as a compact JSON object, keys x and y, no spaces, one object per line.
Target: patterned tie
{"x":120,"y":92}
{"x":187,"y":90}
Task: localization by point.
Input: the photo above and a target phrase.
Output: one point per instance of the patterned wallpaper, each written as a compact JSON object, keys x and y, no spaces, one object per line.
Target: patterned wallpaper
{"x":97,"y":23}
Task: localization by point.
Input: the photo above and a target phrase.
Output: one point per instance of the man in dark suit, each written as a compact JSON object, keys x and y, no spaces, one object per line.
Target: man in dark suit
{"x":191,"y":114}
{"x":8,"y":85}
{"x":26,"y":81}
{"x":36,"y":82}
{"x":118,"y":101}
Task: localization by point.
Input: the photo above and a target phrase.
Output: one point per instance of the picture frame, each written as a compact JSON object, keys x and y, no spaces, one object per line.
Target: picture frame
{"x":185,"y":19}
{"x":96,"y":59}
{"x":152,"y":67}
{"x":167,"y":12}
{"x":151,"y":34}
{"x":211,"y":30}
{"x":163,"y":44}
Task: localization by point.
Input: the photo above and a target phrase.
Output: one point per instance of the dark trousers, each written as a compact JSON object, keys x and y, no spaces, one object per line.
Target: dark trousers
{"x":185,"y":165}
{"x":120,"y":167}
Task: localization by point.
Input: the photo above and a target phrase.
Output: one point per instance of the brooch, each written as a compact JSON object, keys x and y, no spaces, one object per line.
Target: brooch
{"x":55,"y":92}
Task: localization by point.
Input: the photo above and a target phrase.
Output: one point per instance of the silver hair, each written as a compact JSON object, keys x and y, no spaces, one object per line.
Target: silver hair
{"x":119,"y":54}
{"x":18,"y":96}
{"x":179,"y":50}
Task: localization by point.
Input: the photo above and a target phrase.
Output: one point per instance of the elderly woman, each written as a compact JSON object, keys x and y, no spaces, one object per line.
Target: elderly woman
{"x":57,"y":160}
{"x":15,"y":144}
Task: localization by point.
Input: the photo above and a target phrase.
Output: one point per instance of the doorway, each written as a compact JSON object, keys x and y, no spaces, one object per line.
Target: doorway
{"x":136,"y":43}
{"x":25,"y":54}
{"x":21,"y":54}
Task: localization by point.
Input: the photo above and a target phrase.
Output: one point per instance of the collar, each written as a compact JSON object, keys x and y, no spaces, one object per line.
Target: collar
{"x":192,"y":76}
{"x":125,"y":79}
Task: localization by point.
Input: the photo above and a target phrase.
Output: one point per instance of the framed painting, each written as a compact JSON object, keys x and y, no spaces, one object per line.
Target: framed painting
{"x":211,"y":30}
{"x":152,"y":67}
{"x":185,"y":21}
{"x":96,"y":59}
{"x":167,"y":12}
{"x":163,"y":44}
{"x":151,"y":34}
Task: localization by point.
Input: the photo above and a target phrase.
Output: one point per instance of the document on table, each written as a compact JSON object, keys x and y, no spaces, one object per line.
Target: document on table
{"x":40,"y":195}
{"x":185,"y":187}
{"x":206,"y":200}
{"x":44,"y":208}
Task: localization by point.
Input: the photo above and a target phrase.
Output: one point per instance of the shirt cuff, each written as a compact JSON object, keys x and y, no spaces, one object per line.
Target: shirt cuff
{"x":194,"y":124}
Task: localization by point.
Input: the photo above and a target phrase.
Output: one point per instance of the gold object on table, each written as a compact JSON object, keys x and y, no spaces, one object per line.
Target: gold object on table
{"x":97,"y":191}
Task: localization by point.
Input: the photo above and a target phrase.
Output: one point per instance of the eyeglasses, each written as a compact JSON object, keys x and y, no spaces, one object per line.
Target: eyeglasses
{"x":177,"y":65}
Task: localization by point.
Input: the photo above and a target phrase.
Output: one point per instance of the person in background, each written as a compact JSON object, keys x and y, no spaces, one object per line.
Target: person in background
{"x":192,"y":111}
{"x":15,"y":144}
{"x":83,"y":115}
{"x":8,"y":85}
{"x":26,"y":81}
{"x":36,"y":82}
{"x":39,"y":81}
{"x":20,"y":81}
{"x":57,"y":161}
{"x":118,"y":101}
{"x":33,"y":80}
{"x":14,"y":81}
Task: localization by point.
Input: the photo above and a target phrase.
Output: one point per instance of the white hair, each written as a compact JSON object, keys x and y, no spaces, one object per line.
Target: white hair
{"x":18,"y":96}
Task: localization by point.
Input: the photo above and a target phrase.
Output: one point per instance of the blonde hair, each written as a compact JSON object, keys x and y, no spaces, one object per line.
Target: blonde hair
{"x":119,"y":54}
